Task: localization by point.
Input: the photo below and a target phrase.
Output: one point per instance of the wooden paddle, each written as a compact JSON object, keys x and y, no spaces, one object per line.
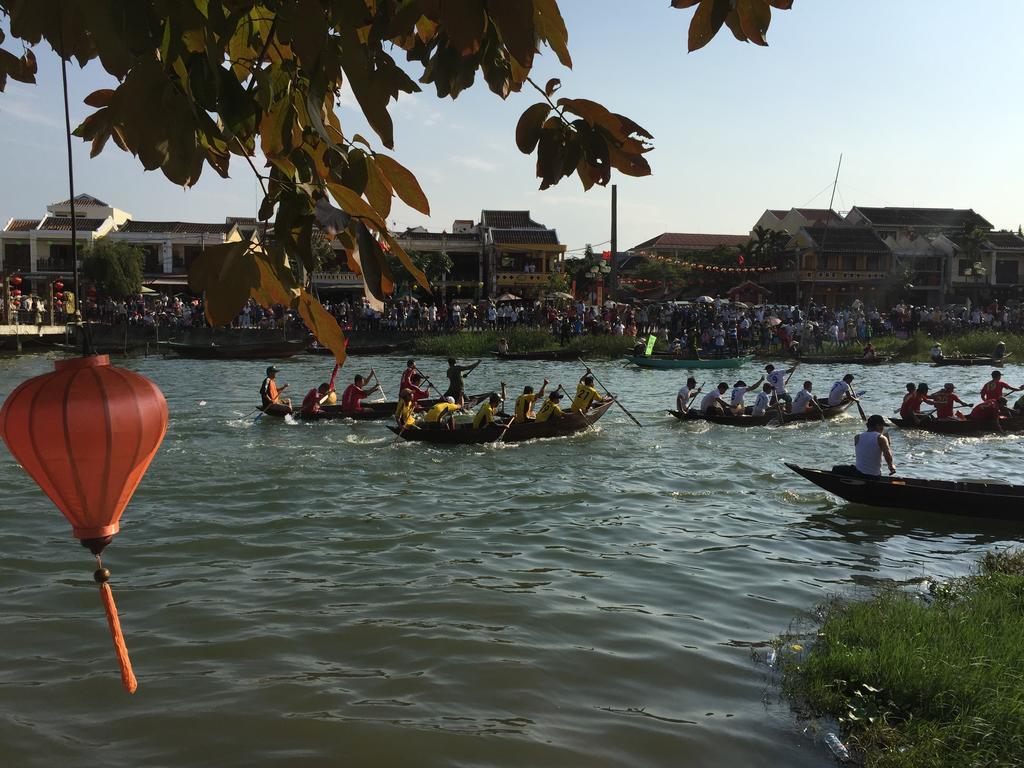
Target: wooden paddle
{"x":624,"y":410}
{"x":791,"y":373}
{"x":694,"y":397}
{"x":502,"y":435}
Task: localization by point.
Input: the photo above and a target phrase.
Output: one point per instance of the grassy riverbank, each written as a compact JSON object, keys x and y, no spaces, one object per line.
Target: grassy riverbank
{"x":481,"y":343}
{"x":923,"y":683}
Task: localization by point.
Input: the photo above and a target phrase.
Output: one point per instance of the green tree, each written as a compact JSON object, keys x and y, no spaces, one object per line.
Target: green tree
{"x":114,"y":267}
{"x":433,"y":264}
{"x":668,"y":273}
{"x":195,"y":83}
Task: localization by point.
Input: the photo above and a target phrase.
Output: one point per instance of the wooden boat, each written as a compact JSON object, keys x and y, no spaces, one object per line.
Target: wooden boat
{"x":963,"y":427}
{"x":262,"y":350}
{"x":375,"y":411}
{"x":769,"y":417}
{"x":674,"y":362}
{"x":844,"y":359}
{"x":276,"y":410}
{"x":465,"y":434}
{"x":971,"y":360}
{"x":547,"y":354}
{"x":950,"y":497}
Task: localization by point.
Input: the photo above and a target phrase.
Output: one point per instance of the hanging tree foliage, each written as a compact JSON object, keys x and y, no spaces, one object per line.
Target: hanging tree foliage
{"x":200,"y":81}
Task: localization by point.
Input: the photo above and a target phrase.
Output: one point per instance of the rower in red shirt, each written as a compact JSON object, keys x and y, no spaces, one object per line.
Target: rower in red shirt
{"x":945,"y":401}
{"x":354,"y":394}
{"x":314,"y":399}
{"x":407,"y":374}
{"x":417,"y":392}
{"x":994,"y":389}
{"x":990,"y":410}
{"x":911,"y":408}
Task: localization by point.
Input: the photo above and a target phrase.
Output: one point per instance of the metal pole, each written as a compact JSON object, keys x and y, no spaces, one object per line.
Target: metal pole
{"x":71,"y":173}
{"x":613,"y":288}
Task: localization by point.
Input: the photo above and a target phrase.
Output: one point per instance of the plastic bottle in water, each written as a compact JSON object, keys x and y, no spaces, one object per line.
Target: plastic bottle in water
{"x":838,"y":748}
{"x":771,"y":658}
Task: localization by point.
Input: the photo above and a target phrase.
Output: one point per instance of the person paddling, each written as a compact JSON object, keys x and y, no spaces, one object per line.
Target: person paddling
{"x":686,"y":395}
{"x":550,"y":408}
{"x":270,"y":393}
{"x":990,"y":410}
{"x":763,"y":401}
{"x":871,"y":446}
{"x":586,"y":395}
{"x":994,"y":389}
{"x":842,"y":392}
{"x":712,"y":403}
{"x":739,"y":393}
{"x":354,"y":394}
{"x":777,"y":378}
{"x":407,"y":374}
{"x":911,"y":408}
{"x":804,"y":400}
{"x":945,"y":401}
{"x":443,"y":413}
{"x":456,"y":379}
{"x":485,"y":416}
{"x":415,"y":391}
{"x":524,"y":403}
{"x":404,"y":410}
{"x":314,"y":399}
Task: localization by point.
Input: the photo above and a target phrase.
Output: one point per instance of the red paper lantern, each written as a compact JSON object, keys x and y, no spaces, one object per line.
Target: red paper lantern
{"x":86,"y":433}
{"x":16,"y":292}
{"x":58,"y":285}
{"x":16,"y":280}
{"x":59,"y":294}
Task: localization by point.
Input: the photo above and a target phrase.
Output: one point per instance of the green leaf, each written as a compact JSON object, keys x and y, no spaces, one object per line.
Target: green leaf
{"x":404,"y":183}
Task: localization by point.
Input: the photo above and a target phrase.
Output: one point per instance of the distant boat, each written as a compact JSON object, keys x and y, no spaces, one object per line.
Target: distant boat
{"x":844,"y":359}
{"x":672,"y":362}
{"x":972,"y":360}
{"x":771,"y":416}
{"x":546,"y":354}
{"x":519,"y":431}
{"x":241,"y":351}
{"x":963,"y":427}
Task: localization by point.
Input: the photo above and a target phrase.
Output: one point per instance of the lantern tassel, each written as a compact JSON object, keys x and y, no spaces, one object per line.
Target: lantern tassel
{"x":127,"y":675}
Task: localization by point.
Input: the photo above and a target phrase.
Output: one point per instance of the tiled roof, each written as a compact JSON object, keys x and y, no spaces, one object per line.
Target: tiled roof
{"x":524,"y":236}
{"x":84,"y":200}
{"x":21,"y":225}
{"x":820,"y":216}
{"x":63,"y":223}
{"x":847,"y":239}
{"x":696,"y":241}
{"x":246,"y":221}
{"x":509,"y":220}
{"x":455,"y":237}
{"x":948,"y":218}
{"x":174,"y":227}
{"x":1005,"y":240}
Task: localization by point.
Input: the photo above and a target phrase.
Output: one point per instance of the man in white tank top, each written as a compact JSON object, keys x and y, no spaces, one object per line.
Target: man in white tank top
{"x":871,"y":447}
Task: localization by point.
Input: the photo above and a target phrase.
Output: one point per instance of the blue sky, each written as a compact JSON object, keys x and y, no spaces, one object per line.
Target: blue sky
{"x":921,"y":96}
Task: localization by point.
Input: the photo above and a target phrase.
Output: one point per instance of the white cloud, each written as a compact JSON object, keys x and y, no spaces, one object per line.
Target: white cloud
{"x":477,"y":163}
{"x":26,"y":108}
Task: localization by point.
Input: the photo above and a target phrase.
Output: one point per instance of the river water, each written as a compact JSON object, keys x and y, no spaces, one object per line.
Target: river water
{"x":315,"y":594}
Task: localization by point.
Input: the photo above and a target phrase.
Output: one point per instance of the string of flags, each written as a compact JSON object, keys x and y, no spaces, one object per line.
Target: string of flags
{"x":712,"y":267}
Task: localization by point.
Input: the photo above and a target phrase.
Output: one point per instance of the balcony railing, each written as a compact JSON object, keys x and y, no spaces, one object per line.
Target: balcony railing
{"x":839,"y":276}
{"x":346,"y":279}
{"x":55,"y":265}
{"x":526,"y":279}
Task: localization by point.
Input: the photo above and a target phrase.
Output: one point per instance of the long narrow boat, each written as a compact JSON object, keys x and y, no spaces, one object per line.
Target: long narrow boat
{"x":546,"y":354}
{"x":987,"y":360}
{"x":963,"y":427}
{"x":465,"y":434}
{"x":769,"y":417}
{"x":374,"y":411}
{"x":673,"y":362}
{"x":262,"y":350}
{"x":950,"y":497}
{"x":355,"y":349}
{"x":844,"y":359}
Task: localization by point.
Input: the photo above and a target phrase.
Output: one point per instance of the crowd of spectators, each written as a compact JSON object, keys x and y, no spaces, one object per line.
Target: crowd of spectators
{"x":707,"y":324}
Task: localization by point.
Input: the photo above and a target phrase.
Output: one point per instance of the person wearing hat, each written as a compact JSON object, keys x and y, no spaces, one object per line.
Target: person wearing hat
{"x":990,"y":410}
{"x":270,"y":393}
{"x":777,"y":378}
{"x":842,"y":392}
{"x":443,"y":412}
{"x":485,"y":416}
{"x":945,"y":400}
{"x":550,"y":409}
{"x":739,"y":392}
{"x":994,"y":389}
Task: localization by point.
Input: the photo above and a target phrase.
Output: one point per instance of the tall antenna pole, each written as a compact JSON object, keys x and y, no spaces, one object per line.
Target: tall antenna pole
{"x":828,"y":218}
{"x":614,"y":287}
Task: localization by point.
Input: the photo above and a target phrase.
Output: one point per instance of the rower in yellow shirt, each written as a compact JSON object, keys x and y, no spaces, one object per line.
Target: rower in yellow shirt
{"x":586,"y":395}
{"x":443,"y":412}
{"x":550,"y":409}
{"x":485,"y":416}
{"x":524,"y":403}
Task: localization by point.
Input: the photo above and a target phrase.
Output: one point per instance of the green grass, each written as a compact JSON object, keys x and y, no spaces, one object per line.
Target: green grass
{"x":475,"y":344}
{"x":923,"y":683}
